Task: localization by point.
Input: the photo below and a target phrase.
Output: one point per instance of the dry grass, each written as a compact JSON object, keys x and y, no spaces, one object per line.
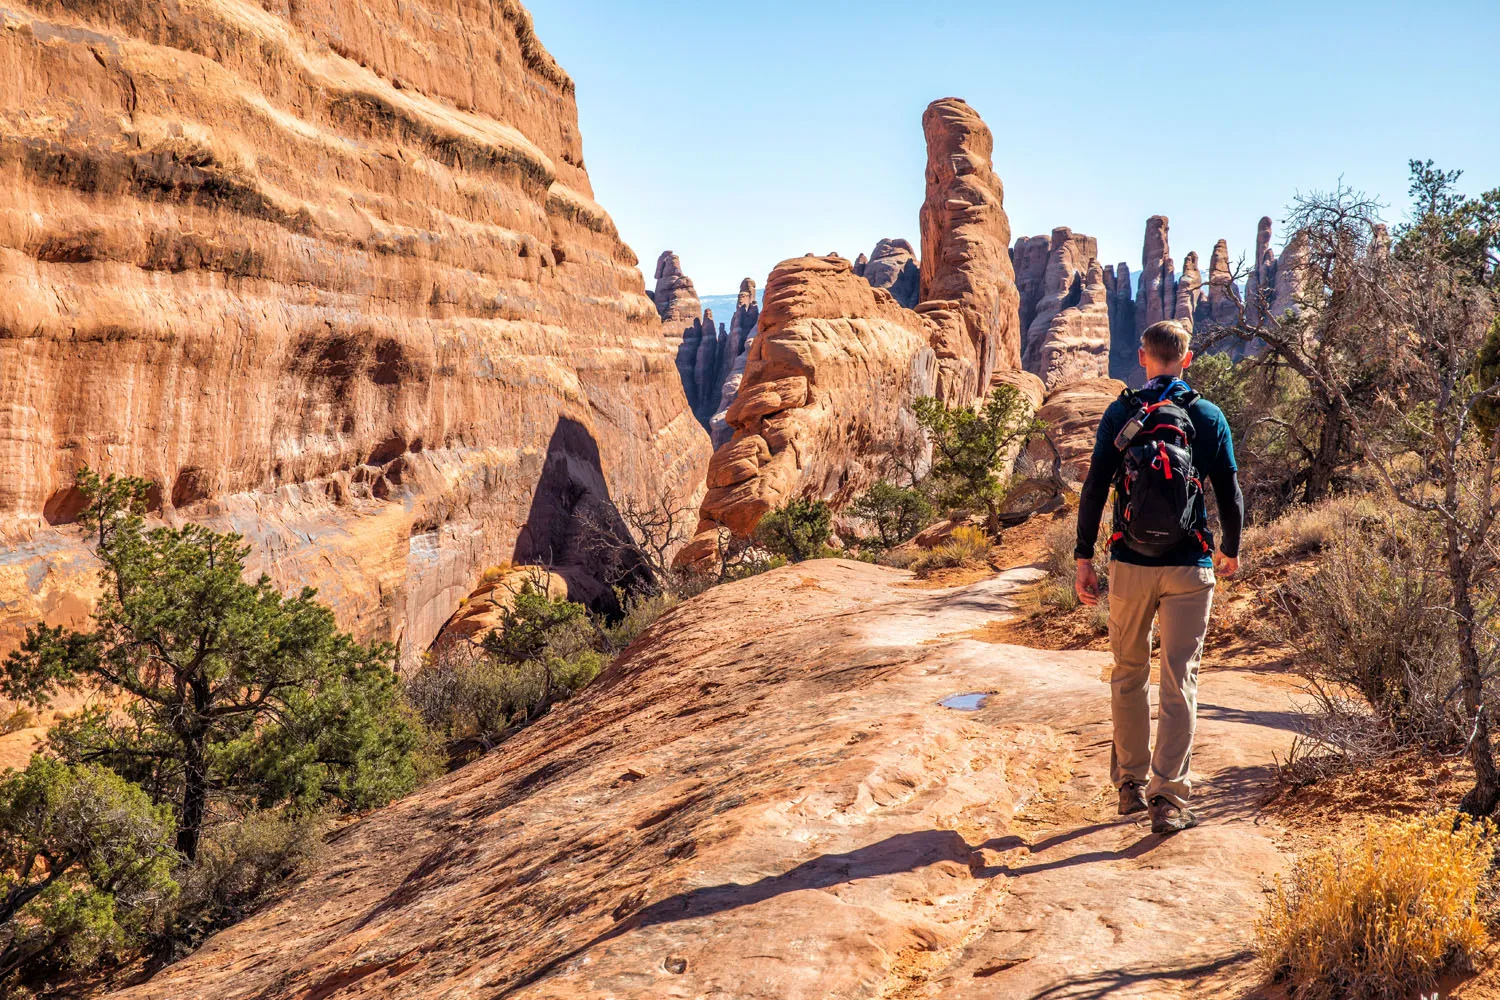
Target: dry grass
{"x":1381,"y":912}
{"x":966,"y":546}
{"x":1304,"y":530}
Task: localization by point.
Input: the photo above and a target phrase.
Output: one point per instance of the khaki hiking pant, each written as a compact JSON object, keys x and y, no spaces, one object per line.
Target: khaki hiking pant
{"x":1180,"y":598}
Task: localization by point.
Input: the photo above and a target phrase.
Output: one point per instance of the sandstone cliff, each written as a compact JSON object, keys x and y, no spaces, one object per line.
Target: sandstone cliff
{"x":1069,"y":255}
{"x":332,"y":275}
{"x":1076,"y":343}
{"x":742,"y":330}
{"x":829,"y":380}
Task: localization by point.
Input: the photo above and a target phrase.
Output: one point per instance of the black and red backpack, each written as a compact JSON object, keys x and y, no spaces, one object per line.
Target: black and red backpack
{"x":1158,"y":493}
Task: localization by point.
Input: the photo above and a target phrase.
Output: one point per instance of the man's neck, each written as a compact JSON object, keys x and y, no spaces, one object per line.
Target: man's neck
{"x":1152,"y":376}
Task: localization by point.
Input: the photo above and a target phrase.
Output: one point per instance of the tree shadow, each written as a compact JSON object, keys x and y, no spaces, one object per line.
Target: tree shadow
{"x":899,"y":853}
{"x":1105,"y":983}
{"x":571,"y":485}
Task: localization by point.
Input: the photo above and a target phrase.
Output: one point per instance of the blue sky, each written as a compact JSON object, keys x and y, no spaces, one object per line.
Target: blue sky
{"x":739,"y":135}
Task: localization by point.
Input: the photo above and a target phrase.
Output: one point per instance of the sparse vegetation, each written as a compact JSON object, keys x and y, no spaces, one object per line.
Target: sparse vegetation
{"x":970,"y":448}
{"x":965,"y":546}
{"x":1382,"y":913}
{"x":799,"y":529}
{"x":896,"y":513}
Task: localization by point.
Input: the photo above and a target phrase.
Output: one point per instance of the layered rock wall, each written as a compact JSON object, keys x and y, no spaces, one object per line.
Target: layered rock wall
{"x":892,"y":265}
{"x":330,"y":274}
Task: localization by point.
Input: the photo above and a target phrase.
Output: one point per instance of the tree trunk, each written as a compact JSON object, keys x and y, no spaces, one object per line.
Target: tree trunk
{"x":1320,"y":472}
{"x":194,"y":799}
{"x":1482,"y":798}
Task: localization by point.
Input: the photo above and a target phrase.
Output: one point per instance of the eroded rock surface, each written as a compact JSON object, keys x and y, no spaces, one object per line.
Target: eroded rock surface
{"x":765,"y":799}
{"x":332,"y":275}
{"x":742,"y":330}
{"x":892,"y":265}
{"x":1072,"y":413}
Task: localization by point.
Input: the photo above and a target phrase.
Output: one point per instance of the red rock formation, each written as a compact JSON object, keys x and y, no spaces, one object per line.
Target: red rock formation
{"x":1260,"y":284}
{"x":892,"y":265}
{"x":1029,"y":259}
{"x":1221,"y":307}
{"x":834,"y":364}
{"x":331,"y":274}
{"x":676,"y":299}
{"x":1076,"y":344}
{"x":1123,"y":340}
{"x":1072,"y":413}
{"x":1291,"y":274}
{"x":829,"y":380}
{"x":1068,"y":258}
{"x":742,"y":330}
{"x":1189,"y":291}
{"x":965,"y":253}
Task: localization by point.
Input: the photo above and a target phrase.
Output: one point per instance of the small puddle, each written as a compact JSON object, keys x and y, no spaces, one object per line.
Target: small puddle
{"x":964,"y":702}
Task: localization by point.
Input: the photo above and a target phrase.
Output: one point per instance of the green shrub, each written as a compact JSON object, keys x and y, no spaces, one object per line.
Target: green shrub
{"x":895,"y":512}
{"x":85,"y":866}
{"x":971,"y":449}
{"x":231,"y":691}
{"x":799,"y":529}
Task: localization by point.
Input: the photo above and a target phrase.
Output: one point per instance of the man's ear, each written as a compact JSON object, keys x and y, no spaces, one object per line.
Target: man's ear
{"x":1187,"y":359}
{"x":1140,"y":355}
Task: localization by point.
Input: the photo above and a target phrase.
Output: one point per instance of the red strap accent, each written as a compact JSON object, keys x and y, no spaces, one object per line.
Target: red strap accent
{"x":1116,"y":537}
{"x":1174,"y":430}
{"x":1166,"y":459}
{"x":1153,"y":407}
{"x":1201,"y":540}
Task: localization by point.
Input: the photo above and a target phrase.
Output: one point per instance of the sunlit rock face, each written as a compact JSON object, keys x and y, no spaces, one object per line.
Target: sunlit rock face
{"x":328,"y":273}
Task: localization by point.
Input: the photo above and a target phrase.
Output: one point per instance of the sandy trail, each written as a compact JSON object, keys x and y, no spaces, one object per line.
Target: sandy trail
{"x":767,"y":800}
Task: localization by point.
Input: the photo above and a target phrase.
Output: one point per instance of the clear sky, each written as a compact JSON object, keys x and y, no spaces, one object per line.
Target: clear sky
{"x":740,"y":134}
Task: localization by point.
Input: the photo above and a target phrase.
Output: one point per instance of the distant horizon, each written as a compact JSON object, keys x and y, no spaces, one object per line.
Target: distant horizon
{"x":738,"y":142}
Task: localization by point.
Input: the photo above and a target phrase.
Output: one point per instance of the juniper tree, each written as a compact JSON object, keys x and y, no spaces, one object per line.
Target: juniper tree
{"x":220,"y":689}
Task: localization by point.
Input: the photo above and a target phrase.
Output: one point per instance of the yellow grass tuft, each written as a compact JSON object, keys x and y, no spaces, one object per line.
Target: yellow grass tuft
{"x":1382,"y":913}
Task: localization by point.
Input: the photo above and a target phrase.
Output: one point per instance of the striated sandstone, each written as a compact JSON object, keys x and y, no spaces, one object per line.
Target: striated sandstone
{"x":742,"y":330}
{"x":1221,"y":307}
{"x":1029,"y":259}
{"x":1123,"y":340}
{"x":332,"y":275}
{"x":1076,"y":343}
{"x":968,"y":285}
{"x":1260,"y":284}
{"x":1189,"y":291}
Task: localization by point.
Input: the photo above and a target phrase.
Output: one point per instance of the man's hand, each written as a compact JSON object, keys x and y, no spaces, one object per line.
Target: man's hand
{"x":1086,"y":582}
{"x":1226,"y":566}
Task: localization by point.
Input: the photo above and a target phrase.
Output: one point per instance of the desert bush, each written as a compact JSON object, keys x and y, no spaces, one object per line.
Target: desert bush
{"x":1370,"y":618}
{"x":85,"y":867}
{"x":19,"y":718}
{"x":895,"y":512}
{"x":1382,"y":913}
{"x":905,"y":557}
{"x":230,"y":691}
{"x":637,"y":615}
{"x":240,"y":864}
{"x":799,"y":529}
{"x":544,"y":649}
{"x":1307,"y":528}
{"x":1059,"y":593}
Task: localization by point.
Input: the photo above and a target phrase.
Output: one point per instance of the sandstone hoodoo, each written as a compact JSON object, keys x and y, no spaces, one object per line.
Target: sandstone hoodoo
{"x":742,"y":330}
{"x":333,"y":277}
{"x":828,"y":381}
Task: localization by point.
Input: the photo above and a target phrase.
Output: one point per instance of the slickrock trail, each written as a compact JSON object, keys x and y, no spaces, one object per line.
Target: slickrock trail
{"x":766,"y":799}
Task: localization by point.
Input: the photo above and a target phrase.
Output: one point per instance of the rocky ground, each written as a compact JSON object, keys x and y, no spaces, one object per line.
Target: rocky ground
{"x":766,"y":798}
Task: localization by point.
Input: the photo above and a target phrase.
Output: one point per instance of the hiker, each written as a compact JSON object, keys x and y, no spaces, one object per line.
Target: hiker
{"x":1157,"y":446}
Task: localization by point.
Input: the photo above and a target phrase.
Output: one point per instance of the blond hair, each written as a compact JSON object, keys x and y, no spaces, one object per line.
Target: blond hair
{"x":1166,"y":341}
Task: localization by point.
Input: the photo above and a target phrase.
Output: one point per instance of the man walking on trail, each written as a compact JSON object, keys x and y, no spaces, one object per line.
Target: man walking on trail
{"x":1157,"y":446}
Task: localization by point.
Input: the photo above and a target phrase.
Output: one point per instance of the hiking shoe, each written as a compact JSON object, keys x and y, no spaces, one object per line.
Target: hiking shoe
{"x":1169,"y":817}
{"x":1132,"y":798}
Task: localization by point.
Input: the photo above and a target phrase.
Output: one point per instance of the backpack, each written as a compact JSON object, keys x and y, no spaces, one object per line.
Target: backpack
{"x":1157,"y":490}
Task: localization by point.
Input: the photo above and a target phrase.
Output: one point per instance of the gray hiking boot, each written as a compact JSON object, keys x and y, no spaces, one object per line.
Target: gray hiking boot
{"x":1132,"y":798}
{"x":1169,"y":817}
